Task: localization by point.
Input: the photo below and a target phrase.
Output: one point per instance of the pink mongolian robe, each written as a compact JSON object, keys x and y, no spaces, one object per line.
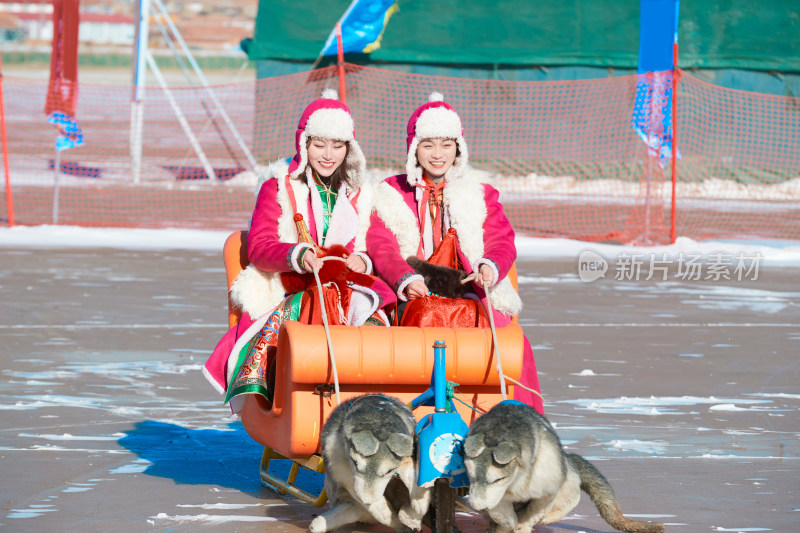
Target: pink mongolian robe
{"x":273,"y":249}
{"x":485,"y":236}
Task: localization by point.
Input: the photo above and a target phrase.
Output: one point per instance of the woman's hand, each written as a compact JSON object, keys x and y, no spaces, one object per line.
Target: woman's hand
{"x":417,"y":289}
{"x":356,"y":263}
{"x":311,"y":261}
{"x":485,"y":275}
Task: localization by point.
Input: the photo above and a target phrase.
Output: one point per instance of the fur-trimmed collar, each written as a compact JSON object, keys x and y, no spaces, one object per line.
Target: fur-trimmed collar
{"x":343,"y":218}
{"x":464,"y":202}
{"x":256,"y":291}
{"x":463,"y":198}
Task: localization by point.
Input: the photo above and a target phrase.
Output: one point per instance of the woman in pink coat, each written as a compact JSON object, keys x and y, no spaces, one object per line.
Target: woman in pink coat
{"x":326,"y":183}
{"x":439,"y":191}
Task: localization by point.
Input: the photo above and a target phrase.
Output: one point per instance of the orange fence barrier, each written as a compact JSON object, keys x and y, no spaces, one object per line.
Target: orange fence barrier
{"x":563,"y":154}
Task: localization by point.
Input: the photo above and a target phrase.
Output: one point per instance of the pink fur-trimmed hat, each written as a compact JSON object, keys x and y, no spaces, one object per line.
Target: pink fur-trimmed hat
{"x":328,"y":118}
{"x":435,"y":119}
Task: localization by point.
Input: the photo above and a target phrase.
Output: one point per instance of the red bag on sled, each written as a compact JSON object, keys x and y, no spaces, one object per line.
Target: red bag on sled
{"x":440,"y":311}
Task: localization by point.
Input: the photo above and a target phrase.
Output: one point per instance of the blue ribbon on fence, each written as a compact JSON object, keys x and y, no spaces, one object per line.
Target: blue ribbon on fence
{"x":71,"y":134}
{"x":652,"y":113}
{"x":652,"y":110}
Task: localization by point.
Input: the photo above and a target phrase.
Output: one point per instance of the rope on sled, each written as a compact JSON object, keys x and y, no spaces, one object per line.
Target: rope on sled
{"x":518,"y":384}
{"x":503,"y":378}
{"x":490,"y":312}
{"x":479,"y":411}
{"x":327,"y":327}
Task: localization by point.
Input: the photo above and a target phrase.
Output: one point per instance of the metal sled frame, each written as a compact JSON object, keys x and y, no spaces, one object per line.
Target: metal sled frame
{"x":284,"y":486}
{"x":397,"y":361}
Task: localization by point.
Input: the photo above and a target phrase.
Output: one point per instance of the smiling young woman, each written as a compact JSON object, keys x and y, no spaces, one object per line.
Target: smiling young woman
{"x":436,"y":156}
{"x":416,"y":211}
{"x":326,"y":156}
{"x":319,"y":203}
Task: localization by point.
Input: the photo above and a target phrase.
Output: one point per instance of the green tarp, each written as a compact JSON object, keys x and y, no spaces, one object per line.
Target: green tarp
{"x":741,"y":34}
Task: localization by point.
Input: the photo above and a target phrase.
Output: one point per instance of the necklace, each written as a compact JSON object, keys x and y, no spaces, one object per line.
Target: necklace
{"x":327,"y":201}
{"x":324,"y":188}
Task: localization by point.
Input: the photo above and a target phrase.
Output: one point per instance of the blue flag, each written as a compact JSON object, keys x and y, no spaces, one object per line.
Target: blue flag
{"x":362,"y":25}
{"x":71,"y":134}
{"x":652,"y":111}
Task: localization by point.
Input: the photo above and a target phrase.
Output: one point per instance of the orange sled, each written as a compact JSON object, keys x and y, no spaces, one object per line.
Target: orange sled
{"x":396,"y":361}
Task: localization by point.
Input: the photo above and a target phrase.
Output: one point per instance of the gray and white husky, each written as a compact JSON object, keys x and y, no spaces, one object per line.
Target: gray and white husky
{"x":520,"y":476}
{"x":370,"y":474}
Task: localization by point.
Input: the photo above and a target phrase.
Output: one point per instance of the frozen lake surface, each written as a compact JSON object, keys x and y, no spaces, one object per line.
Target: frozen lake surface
{"x":684,"y":392}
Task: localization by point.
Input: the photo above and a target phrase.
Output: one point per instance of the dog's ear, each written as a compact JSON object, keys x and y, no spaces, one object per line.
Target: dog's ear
{"x":365,"y":443}
{"x":400,"y":444}
{"x":474,"y":445}
{"x":505,"y":452}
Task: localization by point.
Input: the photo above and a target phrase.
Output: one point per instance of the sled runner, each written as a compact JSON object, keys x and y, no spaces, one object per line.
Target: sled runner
{"x":397,"y":361}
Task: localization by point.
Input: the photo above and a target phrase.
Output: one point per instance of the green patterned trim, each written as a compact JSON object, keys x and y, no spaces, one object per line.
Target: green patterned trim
{"x":294,"y":306}
{"x":240,"y":359}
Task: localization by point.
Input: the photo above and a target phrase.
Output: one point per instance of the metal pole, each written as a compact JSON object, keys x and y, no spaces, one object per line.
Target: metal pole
{"x":439,"y":377}
{"x":205,"y":83}
{"x":56,"y":188}
{"x":162,"y":29}
{"x":139,"y":81}
{"x":340,"y":63}
{"x":181,"y":118}
{"x":211,"y":119}
{"x":646,"y":235}
{"x":9,"y":194}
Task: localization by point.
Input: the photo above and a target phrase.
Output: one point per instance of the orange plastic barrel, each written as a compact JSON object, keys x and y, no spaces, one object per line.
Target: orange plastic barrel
{"x":395,"y":361}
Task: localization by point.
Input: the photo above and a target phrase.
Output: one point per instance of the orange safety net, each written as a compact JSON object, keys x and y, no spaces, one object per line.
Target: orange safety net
{"x":563,"y":154}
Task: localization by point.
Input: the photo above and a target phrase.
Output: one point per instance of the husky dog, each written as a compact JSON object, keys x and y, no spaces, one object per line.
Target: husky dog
{"x":370,"y":475}
{"x":520,"y":476}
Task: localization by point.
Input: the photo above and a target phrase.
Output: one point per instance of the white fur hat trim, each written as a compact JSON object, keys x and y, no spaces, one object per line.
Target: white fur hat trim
{"x":330,"y":124}
{"x":438,"y":122}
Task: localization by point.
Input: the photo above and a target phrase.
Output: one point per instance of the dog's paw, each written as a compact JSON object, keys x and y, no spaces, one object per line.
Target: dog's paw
{"x":410,"y":518}
{"x":381,"y":513}
{"x":420,"y":506}
{"x":494,"y":527}
{"x":318,"y":525}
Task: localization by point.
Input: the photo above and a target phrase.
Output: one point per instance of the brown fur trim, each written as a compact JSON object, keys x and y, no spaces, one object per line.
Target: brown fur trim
{"x":441,"y":280}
